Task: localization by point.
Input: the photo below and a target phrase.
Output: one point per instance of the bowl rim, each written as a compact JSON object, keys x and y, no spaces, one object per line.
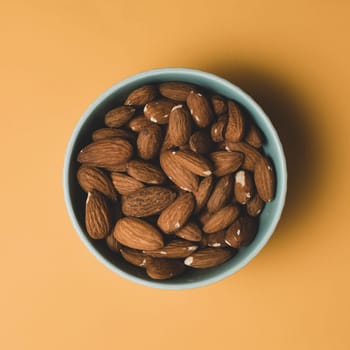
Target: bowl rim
{"x":190,"y":73}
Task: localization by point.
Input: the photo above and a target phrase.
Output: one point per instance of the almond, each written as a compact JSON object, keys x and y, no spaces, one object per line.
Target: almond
{"x":97,"y":215}
{"x":218,"y":129}
{"x":177,"y":248}
{"x":161,"y":269}
{"x":179,"y":129}
{"x":204,"y":216}
{"x":177,"y":91}
{"x":119,"y":168}
{"x":200,"y":142}
{"x":190,"y":232}
{"x":125,"y":184}
{"x":255,"y":205}
{"x":209,"y":257}
{"x":90,"y":178}
{"x":107,"y":133}
{"x":254,"y":136}
{"x":113,"y":244}
{"x":135,"y":257}
{"x":235,"y":123}
{"x":217,"y":239}
{"x":194,"y":162}
{"x":241,"y":232}
{"x":203,"y":193}
{"x":141,"y":95}
{"x":244,"y":188}
{"x":200,"y":109}
{"x":265,"y":180}
{"x":106,"y":153}
{"x":204,"y":241}
{"x":221,"y":219}
{"x":119,"y":116}
{"x":158,"y":111}
{"x":138,"y":234}
{"x":149,"y":141}
{"x":176,"y":173}
{"x":147,"y":201}
{"x":176,"y":214}
{"x":219,"y":104}
{"x":226,"y":162}
{"x":145,"y":172}
{"x":137,"y":123}
{"x":221,"y":194}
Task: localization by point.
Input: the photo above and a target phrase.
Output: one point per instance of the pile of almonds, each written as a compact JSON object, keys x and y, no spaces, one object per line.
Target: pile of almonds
{"x":177,"y":178}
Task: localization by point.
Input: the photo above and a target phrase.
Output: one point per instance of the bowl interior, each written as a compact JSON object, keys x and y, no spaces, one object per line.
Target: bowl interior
{"x":93,"y":119}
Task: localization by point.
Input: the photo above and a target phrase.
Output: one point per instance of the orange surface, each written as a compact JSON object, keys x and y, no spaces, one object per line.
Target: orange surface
{"x":56,"y":57}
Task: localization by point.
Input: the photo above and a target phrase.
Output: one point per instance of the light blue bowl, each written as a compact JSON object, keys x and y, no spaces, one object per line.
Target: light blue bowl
{"x":93,"y":119}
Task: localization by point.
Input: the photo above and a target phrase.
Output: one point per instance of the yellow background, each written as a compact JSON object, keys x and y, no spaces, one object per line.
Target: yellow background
{"x":58,"y":56}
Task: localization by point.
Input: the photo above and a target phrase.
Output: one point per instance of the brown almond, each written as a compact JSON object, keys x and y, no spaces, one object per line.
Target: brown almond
{"x":158,"y":111}
{"x":221,"y":194}
{"x":194,"y":162}
{"x":145,"y":172}
{"x":141,"y":95}
{"x":119,"y":168}
{"x":176,"y":173}
{"x":175,"y":249}
{"x":222,"y":219}
{"x":107,"y":133}
{"x":203,"y":193}
{"x":204,"y":216}
{"x":244,"y":188}
{"x":177,"y":91}
{"x":125,"y":184}
{"x":135,"y":257}
{"x":161,"y":269}
{"x":218,"y":129}
{"x":97,"y":215}
{"x":255,"y":205}
{"x":106,"y":153}
{"x":149,"y":141}
{"x":137,"y":123}
{"x":176,"y":214}
{"x":90,"y":178}
{"x":119,"y":116}
{"x":204,"y":241}
{"x":254,"y":136}
{"x":219,"y":104}
{"x":217,"y":239}
{"x":265,"y":179}
{"x":241,"y":232}
{"x":200,"y":142}
{"x":138,"y":234}
{"x":179,"y":129}
{"x":200,"y":109}
{"x":190,"y":232}
{"x":209,"y":257}
{"x":147,"y":201}
{"x":226,"y":162}
{"x":112,"y":243}
{"x":235,"y":123}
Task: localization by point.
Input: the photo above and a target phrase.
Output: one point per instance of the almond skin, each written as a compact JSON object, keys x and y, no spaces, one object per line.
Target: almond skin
{"x":226,"y":162}
{"x":113,"y":244}
{"x":175,"y":249}
{"x":119,"y":116}
{"x":162,"y":269}
{"x":200,"y":109}
{"x":217,"y":239}
{"x":176,"y":214}
{"x":219,"y":104}
{"x":176,"y":91}
{"x":158,"y":111}
{"x":190,"y":232}
{"x":145,"y":172}
{"x":106,"y":153}
{"x":221,"y":194}
{"x":147,"y":201}
{"x":254,"y":137}
{"x":149,"y":141}
{"x":138,"y":234}
{"x":90,"y":178}
{"x":137,"y":123}
{"x":107,"y":133}
{"x":255,"y":205}
{"x":97,"y":215}
{"x":235,"y":123}
{"x":241,"y":232}
{"x":179,"y":129}
{"x":221,"y":219}
{"x":125,"y":184}
{"x":135,"y":257}
{"x":119,"y":168}
{"x":209,"y":257}
{"x":218,"y":129}
{"x":200,"y":142}
{"x":265,"y":180}
{"x":244,"y":188}
{"x":142,"y":95}
{"x":203,"y":193}
{"x":194,"y":162}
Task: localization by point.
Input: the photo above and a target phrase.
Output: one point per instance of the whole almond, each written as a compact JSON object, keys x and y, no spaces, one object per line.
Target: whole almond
{"x":179,"y":128}
{"x":203,"y":193}
{"x":175,"y":249}
{"x":254,"y":136}
{"x":265,"y":180}
{"x":145,"y":172}
{"x":177,"y":91}
{"x":106,"y":153}
{"x":158,"y":111}
{"x":118,"y":168}
{"x":241,"y":232}
{"x":112,"y":243}
{"x":149,"y":141}
{"x":90,"y":178}
{"x":200,"y":142}
{"x":226,"y":162}
{"x":137,"y":123}
{"x":204,"y":216}
{"x":219,"y":104}
{"x":221,"y":194}
{"x":200,"y":109}
{"x":138,"y":234}
{"x":235,"y":123}
{"x":194,"y":162}
{"x":209,"y":257}
{"x":222,"y":219}
{"x":178,"y":174}
{"x":141,"y":95}
{"x":218,"y":129}
{"x":161,"y":269}
{"x":190,"y":232}
{"x":255,"y":205}
{"x":97,"y":215}
{"x":135,"y":257}
{"x":244,"y":188}
{"x":176,"y":214}
{"x":119,"y":116}
{"x":217,"y":239}
{"x":125,"y":184}
{"x":147,"y":201}
{"x":107,"y":133}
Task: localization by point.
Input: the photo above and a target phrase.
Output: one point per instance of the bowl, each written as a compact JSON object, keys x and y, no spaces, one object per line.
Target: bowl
{"x":93,"y":119}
